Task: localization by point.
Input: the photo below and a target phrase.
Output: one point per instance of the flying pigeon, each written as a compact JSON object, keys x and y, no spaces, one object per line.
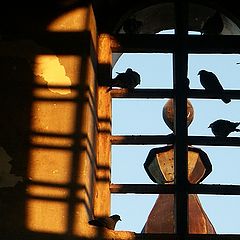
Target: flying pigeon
{"x":129,"y":79}
{"x":132,"y":26}
{"x":211,"y":83}
{"x":213,"y":25}
{"x":222,"y":128}
{"x":107,"y":222}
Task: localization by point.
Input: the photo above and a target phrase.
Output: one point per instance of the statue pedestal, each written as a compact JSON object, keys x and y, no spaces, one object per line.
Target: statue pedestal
{"x":161,"y":217}
{"x":159,"y":166}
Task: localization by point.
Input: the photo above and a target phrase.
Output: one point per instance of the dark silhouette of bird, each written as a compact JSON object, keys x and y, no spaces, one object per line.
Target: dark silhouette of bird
{"x":211,"y":83}
{"x":132,"y":26}
{"x":222,"y":128}
{"x":129,"y":79}
{"x":188,"y":83}
{"x":107,"y":222}
{"x":213,"y":25}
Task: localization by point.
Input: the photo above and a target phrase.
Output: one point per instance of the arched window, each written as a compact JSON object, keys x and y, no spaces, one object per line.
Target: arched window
{"x":183,"y":45}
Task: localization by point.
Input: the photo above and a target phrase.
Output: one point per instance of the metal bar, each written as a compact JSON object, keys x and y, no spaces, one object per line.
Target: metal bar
{"x":169,"y":139}
{"x":149,"y":43}
{"x":213,"y":237}
{"x":217,"y":189}
{"x":142,"y":140}
{"x":180,"y":68}
{"x":142,"y":188}
{"x":120,"y":235}
{"x":187,"y":237}
{"x":142,"y":93}
{"x":199,"y":93}
{"x":214,"y":141}
{"x":169,"y":93}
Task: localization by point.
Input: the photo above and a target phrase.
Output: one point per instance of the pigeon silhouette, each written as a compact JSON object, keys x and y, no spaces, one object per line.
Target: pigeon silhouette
{"x":213,"y":25}
{"x":188,"y":83}
{"x":107,"y":222}
{"x":132,"y":26}
{"x":222,"y":128}
{"x":211,"y":83}
{"x":129,"y":79}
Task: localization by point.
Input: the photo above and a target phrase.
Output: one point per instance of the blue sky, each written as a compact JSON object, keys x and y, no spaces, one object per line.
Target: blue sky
{"x":144,"y":116}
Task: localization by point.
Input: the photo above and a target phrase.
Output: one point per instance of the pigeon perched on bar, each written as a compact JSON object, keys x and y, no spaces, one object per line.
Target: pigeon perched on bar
{"x":213,"y":25}
{"x":211,"y":83}
{"x":107,"y":222}
{"x":129,"y":79}
{"x":188,"y":83}
{"x":222,"y":128}
{"x":132,"y":26}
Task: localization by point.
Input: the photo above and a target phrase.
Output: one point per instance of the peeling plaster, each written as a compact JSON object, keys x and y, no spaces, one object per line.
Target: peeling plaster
{"x":50,"y":69}
{"x":7,"y":179}
{"x":46,"y":66}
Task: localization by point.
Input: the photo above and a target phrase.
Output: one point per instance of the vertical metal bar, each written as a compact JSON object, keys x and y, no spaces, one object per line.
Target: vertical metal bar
{"x":180,"y":66}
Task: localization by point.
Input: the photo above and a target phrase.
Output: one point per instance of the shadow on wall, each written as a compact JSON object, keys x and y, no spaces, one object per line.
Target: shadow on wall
{"x":47,"y":135}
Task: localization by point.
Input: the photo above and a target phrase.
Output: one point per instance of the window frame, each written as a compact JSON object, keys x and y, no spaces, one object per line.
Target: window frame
{"x":181,"y":44}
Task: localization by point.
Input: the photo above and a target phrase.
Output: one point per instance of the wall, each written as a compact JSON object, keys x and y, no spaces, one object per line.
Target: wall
{"x":48,"y":128}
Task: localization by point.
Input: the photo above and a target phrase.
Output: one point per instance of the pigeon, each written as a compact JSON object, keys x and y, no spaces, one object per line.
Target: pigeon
{"x":211,"y":83}
{"x":213,"y":25}
{"x":129,"y":79}
{"x":107,"y":222}
{"x":188,"y":83}
{"x":132,"y":26}
{"x":222,"y":128}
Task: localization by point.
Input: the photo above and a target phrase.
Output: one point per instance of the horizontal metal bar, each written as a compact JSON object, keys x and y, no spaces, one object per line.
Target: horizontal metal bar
{"x":200,"y":93}
{"x":149,"y":43}
{"x":120,"y":235}
{"x":169,"y":93}
{"x":214,"y":189}
{"x":142,"y":139}
{"x":142,"y":188}
{"x":142,"y":93}
{"x":214,"y":141}
{"x":155,"y":236}
{"x":169,"y":139}
{"x":213,"y":237}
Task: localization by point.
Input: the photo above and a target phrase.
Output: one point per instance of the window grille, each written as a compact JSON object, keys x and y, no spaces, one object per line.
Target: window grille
{"x":180,"y":44}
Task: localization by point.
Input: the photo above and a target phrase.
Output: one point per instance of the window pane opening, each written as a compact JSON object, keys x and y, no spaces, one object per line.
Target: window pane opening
{"x":225,"y":164}
{"x":155,"y":69}
{"x":223,"y":211}
{"x":138,"y":117}
{"x":133,"y":209}
{"x":127,"y":164}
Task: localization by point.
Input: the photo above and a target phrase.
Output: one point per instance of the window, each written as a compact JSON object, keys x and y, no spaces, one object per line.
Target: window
{"x":182,"y":46}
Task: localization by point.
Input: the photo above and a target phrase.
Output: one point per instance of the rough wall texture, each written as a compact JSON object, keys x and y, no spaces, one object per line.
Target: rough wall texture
{"x":48,"y":129}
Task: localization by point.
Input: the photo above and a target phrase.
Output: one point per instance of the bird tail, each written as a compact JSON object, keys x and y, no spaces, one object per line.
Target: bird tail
{"x":236,"y":125}
{"x":226,"y":99}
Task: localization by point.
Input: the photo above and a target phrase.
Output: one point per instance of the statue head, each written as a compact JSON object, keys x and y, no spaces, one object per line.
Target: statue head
{"x":168,"y":113}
